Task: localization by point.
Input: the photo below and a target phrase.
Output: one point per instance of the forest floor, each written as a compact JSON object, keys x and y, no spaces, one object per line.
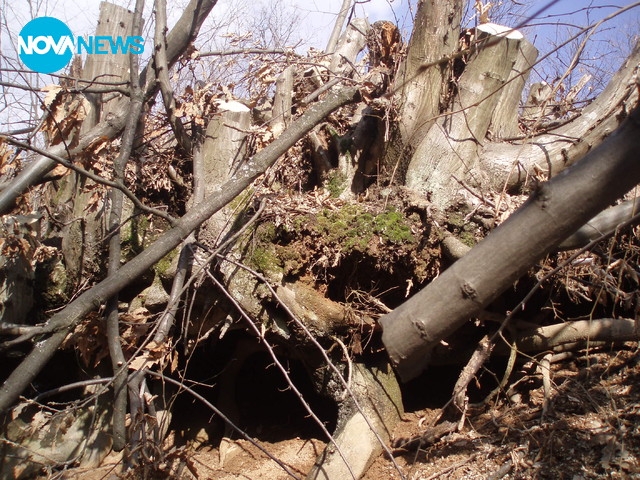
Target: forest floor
{"x":590,"y":430}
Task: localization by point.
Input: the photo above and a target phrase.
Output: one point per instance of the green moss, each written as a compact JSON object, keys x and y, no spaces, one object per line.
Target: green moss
{"x":462,"y":229}
{"x":456,"y":220}
{"x":291,"y":259}
{"x":264,"y":259}
{"x":266,"y":232}
{"x":164,"y":263}
{"x":336,"y":183}
{"x":350,"y":228}
{"x":240,"y":202}
{"x":353,"y":228}
{"x":391,"y":226}
{"x":467,"y":238}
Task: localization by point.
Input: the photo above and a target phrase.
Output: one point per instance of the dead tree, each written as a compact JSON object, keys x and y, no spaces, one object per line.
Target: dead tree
{"x":426,"y":126}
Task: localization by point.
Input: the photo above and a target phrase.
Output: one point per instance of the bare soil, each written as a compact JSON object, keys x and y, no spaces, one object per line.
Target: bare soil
{"x":590,"y":430}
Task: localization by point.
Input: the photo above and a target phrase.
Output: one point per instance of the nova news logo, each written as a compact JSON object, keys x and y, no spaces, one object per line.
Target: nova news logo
{"x":46,"y":45}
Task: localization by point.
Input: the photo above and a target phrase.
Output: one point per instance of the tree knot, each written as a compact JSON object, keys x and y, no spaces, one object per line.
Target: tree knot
{"x":468,"y":291}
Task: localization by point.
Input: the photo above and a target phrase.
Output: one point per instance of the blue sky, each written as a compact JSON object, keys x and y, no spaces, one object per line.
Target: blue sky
{"x":312,"y":20}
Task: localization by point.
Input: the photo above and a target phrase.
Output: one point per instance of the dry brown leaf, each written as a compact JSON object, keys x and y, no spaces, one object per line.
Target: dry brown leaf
{"x":154,"y":354}
{"x":52,"y":93}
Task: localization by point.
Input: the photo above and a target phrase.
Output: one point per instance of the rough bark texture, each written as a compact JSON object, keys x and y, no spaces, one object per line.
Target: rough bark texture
{"x":182,"y":34}
{"x":84,"y":230}
{"x":282,"y":102}
{"x":115,"y":21}
{"x":377,"y":392}
{"x":505,"y":119}
{"x":223,"y":153}
{"x":553,"y":212}
{"x":419,"y":83}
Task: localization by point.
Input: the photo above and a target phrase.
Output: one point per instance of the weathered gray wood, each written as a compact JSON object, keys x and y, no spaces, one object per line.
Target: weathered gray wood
{"x":378,"y":394}
{"x":578,"y":333}
{"x":449,"y":149}
{"x":114,"y":20}
{"x":558,"y":208}
{"x":420,"y":79}
{"x":504,"y":121}
{"x":511,"y":164}
{"x":536,"y":105}
{"x":223,"y":153}
{"x":337,"y":27}
{"x":350,"y":45}
{"x":85,"y":228}
{"x":604,"y":223}
{"x":282,"y":101}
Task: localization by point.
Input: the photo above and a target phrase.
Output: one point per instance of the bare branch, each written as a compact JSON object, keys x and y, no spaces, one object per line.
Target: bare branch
{"x":162,"y":73}
{"x":67,"y":318}
{"x":247,"y":51}
{"x":183,"y":33}
{"x":96,"y":178}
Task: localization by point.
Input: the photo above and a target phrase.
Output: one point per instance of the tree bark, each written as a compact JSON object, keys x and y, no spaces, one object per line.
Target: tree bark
{"x":337,"y":27}
{"x":449,"y":150}
{"x":604,"y":223}
{"x":421,"y":77}
{"x":554,"y":211}
{"x":511,"y":164}
{"x":505,"y":119}
{"x":67,"y":318}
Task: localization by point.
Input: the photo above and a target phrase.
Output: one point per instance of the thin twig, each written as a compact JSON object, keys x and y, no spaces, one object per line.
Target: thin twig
{"x":246,"y":51}
{"x":96,"y":178}
{"x":324,"y":355}
{"x":224,"y":418}
{"x":277,"y":362}
{"x":562,"y":265}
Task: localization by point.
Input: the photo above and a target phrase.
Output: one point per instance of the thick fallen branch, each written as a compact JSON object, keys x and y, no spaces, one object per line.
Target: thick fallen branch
{"x":604,"y":223}
{"x":62,"y":322}
{"x":580,"y":333}
{"x":554,"y":211}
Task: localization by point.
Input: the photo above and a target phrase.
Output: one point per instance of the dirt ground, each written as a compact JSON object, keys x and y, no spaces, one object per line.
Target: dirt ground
{"x":590,"y":430}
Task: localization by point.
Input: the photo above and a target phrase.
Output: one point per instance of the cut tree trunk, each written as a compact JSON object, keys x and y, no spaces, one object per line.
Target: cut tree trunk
{"x":423,"y":76}
{"x":223,"y":152}
{"x":553,"y":212}
{"x":505,"y":119}
{"x":449,"y":150}
{"x":64,"y":320}
{"x":180,"y":37}
{"x":85,"y":228}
